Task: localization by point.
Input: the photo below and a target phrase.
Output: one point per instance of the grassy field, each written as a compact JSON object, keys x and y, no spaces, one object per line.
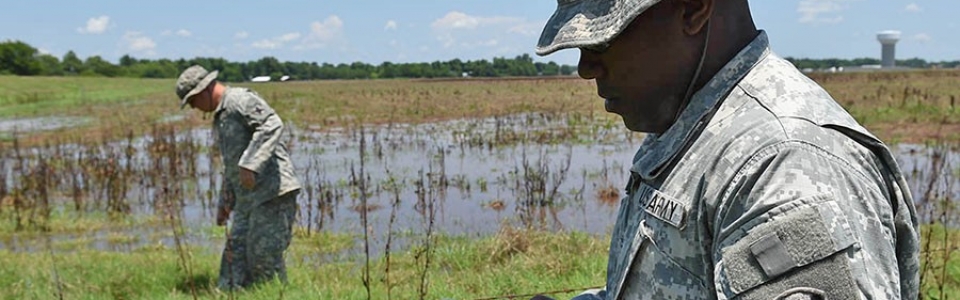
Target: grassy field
{"x":906,"y":106}
{"x":511,"y":263}
{"x":901,"y":106}
{"x":134,"y":105}
{"x":940,"y":259}
{"x":911,"y":107}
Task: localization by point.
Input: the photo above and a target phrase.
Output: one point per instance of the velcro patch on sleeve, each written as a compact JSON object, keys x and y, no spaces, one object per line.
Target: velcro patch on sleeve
{"x":798,"y":240}
{"x":772,"y":255}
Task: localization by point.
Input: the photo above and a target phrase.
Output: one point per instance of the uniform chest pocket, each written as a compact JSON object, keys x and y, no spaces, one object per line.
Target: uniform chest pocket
{"x":663,"y":223}
{"x":670,"y":262}
{"x":658,"y":272}
{"x":232,"y":136}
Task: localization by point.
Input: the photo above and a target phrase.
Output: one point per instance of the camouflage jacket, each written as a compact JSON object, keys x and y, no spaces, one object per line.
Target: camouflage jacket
{"x":764,"y":187}
{"x":248,"y":134}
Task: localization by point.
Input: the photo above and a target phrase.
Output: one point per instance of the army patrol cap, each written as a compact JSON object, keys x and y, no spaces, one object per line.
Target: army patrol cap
{"x":584,"y":23}
{"x":193,"y":80}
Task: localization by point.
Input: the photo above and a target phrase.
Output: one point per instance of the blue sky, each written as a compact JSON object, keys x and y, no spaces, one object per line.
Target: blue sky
{"x":428,"y":30}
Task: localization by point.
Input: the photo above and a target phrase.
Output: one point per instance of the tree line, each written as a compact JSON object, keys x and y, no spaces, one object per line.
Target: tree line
{"x":19,"y":58}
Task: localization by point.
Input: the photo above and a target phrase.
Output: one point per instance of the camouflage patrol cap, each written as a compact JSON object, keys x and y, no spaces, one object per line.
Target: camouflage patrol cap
{"x":579,"y":23}
{"x":193,"y":80}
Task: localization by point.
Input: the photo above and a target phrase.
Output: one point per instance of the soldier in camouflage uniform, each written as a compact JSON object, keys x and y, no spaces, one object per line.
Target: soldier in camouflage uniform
{"x":259,"y":185}
{"x":752,"y":182}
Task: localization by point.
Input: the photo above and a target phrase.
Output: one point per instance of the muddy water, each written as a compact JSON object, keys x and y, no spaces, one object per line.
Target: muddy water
{"x":474,"y":186}
{"x":26,"y":125}
{"x":465,"y":177}
{"x":933,"y":173}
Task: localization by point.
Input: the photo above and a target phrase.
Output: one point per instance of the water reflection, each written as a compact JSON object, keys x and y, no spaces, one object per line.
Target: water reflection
{"x":464,"y":177}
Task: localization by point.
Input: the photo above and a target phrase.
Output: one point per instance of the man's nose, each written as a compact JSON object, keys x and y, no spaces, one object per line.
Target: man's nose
{"x":590,"y":66}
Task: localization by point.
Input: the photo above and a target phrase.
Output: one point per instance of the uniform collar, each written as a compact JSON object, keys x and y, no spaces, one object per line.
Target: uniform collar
{"x":659,"y":149}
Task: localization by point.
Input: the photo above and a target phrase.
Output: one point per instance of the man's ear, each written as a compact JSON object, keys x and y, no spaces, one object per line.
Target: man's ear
{"x":696,"y":13}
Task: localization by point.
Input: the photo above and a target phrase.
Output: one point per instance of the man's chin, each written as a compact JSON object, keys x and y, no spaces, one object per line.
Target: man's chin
{"x":633,"y":126}
{"x":640,"y":126}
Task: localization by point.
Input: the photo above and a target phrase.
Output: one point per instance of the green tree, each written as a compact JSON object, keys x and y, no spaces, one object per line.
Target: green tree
{"x":913,"y":63}
{"x":49,"y":65}
{"x":18,"y":58}
{"x":72,"y":64}
{"x":95,"y":65}
{"x":127,"y":61}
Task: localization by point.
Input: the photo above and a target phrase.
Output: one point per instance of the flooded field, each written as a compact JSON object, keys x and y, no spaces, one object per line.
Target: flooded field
{"x":466,"y":178}
{"x":9,"y":127}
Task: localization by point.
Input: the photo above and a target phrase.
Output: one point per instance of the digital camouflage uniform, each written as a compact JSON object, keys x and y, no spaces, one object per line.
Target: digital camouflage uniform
{"x":764,"y":188}
{"x":764,"y":185}
{"x":248,"y":134}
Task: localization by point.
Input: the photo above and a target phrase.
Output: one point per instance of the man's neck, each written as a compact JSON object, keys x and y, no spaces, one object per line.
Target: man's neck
{"x":218,"y":91}
{"x":728,"y":40}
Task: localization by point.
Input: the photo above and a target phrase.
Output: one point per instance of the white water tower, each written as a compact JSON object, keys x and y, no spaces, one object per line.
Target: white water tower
{"x":888,"y":40}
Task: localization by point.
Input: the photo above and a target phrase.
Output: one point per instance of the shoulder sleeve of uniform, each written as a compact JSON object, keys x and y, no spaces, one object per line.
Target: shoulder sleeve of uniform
{"x":266,"y":127}
{"x":793,"y":222}
{"x":254,"y":108}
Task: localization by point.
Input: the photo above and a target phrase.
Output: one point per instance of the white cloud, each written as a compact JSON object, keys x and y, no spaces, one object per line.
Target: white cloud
{"x":391,"y":25}
{"x":487,"y":43}
{"x":481,"y":31}
{"x":96,"y":25}
{"x":180,"y":33}
{"x":43,"y":51}
{"x":456,"y":20}
{"x":290,"y":37}
{"x":266,"y":44}
{"x":459,"y":20}
{"x":822,"y":11}
{"x":137,"y":42}
{"x":526,"y":29}
{"x":322,"y":33}
{"x":923,"y":38}
{"x":913,"y":7}
{"x":241,"y":35}
{"x":326,"y":30}
{"x":277,"y":42}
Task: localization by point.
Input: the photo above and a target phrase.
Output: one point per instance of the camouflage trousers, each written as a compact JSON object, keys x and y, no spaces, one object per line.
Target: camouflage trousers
{"x":258,"y":238}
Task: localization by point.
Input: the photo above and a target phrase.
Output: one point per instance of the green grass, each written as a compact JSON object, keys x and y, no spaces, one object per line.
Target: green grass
{"x":911,"y":106}
{"x":64,"y":220}
{"x":940,"y":258}
{"x":513,"y":262}
{"x":903,"y":106}
{"x":39,"y":96}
